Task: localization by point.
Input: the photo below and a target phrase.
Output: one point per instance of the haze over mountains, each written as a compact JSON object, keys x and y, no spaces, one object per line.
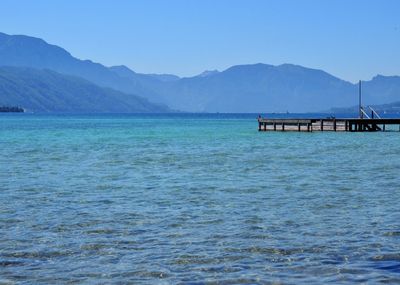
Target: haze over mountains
{"x":49,"y":91}
{"x":46,"y":78}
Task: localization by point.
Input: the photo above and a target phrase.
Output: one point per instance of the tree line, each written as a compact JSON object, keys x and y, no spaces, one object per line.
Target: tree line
{"x":11,"y":109}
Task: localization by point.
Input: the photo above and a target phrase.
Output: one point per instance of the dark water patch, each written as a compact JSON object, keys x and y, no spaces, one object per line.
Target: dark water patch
{"x":12,"y":278}
{"x":218,"y":269}
{"x":271,"y":250}
{"x":392,"y":234}
{"x":387,"y":257}
{"x":224,"y":281}
{"x":153,"y":274}
{"x":95,"y":247}
{"x":387,"y":262}
{"x":102,"y":231}
{"x":9,"y":263}
{"x":390,"y":266}
{"x":37,"y":254}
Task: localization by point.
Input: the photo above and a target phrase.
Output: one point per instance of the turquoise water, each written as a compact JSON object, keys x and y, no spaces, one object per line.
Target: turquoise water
{"x":194,"y":199}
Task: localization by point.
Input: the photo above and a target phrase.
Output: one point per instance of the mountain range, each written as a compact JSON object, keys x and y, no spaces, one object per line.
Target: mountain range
{"x":45,"y":90}
{"x":68,"y":84}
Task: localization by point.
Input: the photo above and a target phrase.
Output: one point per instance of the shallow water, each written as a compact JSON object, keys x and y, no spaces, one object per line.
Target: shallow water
{"x":194,"y":199}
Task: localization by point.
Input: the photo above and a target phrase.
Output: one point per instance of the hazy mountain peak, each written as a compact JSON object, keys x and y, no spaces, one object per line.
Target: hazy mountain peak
{"x":296,"y":67}
{"x":122,"y":70}
{"x":208,"y":73}
{"x":293,"y":67}
{"x":164,"y":77}
{"x":249,"y":67}
{"x":18,"y":48}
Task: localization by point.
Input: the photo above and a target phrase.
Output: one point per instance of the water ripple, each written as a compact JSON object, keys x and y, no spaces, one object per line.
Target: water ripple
{"x":194,"y":201}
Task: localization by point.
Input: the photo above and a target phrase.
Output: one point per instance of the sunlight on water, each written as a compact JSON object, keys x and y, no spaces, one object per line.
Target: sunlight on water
{"x":194,"y":199}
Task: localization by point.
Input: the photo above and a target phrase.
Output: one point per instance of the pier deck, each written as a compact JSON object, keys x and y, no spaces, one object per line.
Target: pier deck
{"x":327,"y":124}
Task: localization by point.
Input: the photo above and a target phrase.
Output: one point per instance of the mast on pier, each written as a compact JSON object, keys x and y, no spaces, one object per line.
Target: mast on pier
{"x":360,"y":113}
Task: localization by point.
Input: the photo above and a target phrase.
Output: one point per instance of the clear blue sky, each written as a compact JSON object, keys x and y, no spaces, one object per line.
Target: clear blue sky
{"x":351,"y":39}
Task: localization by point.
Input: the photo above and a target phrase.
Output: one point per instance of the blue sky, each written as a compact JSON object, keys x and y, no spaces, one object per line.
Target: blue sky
{"x":351,"y":39}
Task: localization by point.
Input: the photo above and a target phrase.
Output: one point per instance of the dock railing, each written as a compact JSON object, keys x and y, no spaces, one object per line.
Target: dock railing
{"x":374,"y":113}
{"x":364,"y":113}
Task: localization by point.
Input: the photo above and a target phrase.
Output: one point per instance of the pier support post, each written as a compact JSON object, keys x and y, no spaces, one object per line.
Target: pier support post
{"x":265,"y":127}
{"x":298,"y":127}
{"x":322,"y":125}
{"x":283,"y":127}
{"x":274,"y":126}
{"x":334,"y":125}
{"x":259,"y":126}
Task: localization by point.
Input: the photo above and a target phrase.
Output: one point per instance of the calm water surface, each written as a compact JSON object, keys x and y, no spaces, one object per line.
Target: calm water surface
{"x":194,"y":199}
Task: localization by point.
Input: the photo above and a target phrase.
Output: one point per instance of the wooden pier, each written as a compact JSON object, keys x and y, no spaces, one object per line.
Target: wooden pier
{"x":364,"y":123}
{"x":328,"y":124}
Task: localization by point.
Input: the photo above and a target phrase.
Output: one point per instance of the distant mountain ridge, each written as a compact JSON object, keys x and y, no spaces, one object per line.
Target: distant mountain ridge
{"x":259,"y":88}
{"x":48,"y":91}
{"x":240,"y":88}
{"x":24,"y":51}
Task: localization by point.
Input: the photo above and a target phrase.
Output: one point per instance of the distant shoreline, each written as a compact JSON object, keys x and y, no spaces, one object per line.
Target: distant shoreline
{"x":11,"y":109}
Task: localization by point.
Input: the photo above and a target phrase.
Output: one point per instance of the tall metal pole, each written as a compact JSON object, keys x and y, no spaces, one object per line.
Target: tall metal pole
{"x":359,"y":100}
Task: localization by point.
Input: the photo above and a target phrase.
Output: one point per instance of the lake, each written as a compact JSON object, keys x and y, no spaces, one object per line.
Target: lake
{"x":194,"y":199}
